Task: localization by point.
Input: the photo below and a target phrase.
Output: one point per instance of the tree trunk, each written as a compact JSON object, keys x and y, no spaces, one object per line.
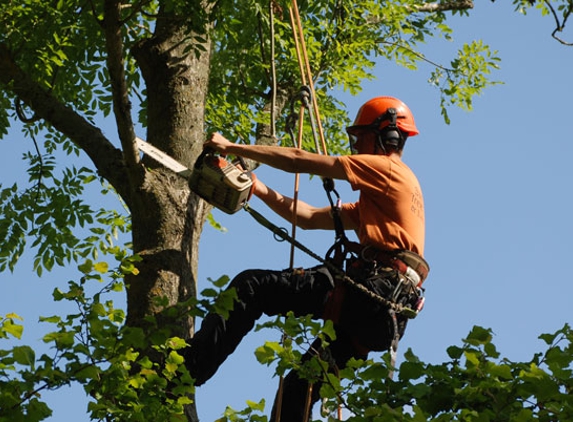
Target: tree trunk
{"x":167,"y":218}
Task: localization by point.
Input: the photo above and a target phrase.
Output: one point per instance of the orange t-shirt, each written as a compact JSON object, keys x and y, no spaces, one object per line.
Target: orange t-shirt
{"x":390,"y":208}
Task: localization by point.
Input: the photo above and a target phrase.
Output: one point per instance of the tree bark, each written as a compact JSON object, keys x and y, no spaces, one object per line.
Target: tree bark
{"x":167,"y":218}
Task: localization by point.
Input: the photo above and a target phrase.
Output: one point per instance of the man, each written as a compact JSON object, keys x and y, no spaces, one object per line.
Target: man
{"x":388,"y":217}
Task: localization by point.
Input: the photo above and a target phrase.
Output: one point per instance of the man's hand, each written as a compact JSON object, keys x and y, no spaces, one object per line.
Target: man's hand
{"x":218,"y":142}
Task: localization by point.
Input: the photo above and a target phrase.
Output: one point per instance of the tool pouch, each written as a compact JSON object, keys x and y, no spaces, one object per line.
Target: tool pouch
{"x":220,"y":182}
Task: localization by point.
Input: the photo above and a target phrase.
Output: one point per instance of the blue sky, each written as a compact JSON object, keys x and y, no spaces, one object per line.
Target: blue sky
{"x":496,"y":184}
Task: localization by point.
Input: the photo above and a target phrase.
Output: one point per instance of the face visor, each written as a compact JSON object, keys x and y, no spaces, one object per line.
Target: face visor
{"x":357,"y":134}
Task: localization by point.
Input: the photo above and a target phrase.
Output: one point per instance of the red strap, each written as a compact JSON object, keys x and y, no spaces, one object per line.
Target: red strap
{"x":332,"y":310}
{"x":333,"y":305}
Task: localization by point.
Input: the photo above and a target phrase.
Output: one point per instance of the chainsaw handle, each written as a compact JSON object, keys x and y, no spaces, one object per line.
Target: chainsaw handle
{"x":243,"y":164}
{"x":206,"y":151}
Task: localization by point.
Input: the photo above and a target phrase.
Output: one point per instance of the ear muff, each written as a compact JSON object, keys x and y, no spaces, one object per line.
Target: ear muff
{"x":390,"y":137}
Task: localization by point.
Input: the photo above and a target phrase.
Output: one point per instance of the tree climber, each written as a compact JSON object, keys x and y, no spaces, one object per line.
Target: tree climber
{"x":389,"y":221}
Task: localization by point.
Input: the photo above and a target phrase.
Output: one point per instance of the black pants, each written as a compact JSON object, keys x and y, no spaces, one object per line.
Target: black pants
{"x":270,"y":293}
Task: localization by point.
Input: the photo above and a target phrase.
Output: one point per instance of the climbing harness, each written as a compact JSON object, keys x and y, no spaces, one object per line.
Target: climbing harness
{"x":413,"y":275}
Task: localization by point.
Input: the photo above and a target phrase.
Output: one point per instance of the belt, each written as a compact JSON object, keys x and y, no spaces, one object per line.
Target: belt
{"x":407,"y":263}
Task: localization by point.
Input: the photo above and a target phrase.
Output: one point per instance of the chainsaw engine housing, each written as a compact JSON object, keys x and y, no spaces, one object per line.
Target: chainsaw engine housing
{"x":220,"y":182}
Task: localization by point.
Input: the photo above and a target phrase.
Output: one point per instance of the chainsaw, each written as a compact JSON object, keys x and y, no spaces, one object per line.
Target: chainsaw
{"x":224,"y":184}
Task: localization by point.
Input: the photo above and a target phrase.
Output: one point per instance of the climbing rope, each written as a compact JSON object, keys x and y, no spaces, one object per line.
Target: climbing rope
{"x":273,"y":70}
{"x":295,"y":22}
{"x":308,"y":102}
{"x":306,"y":73}
{"x":307,"y":80}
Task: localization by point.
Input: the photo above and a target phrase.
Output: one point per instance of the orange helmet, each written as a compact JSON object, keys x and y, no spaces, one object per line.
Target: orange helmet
{"x":375,"y":114}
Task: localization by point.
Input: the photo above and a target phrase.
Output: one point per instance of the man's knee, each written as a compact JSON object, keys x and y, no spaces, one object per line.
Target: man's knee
{"x":248,"y":285}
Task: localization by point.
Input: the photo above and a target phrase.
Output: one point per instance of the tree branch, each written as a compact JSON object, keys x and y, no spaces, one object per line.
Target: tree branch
{"x":115,"y":65}
{"x":560,"y":25}
{"x":415,"y":53}
{"x":107,"y":159}
{"x":447,"y":5}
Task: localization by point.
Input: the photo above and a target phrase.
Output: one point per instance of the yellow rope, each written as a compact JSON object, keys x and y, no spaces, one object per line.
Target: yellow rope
{"x":306,"y":77}
{"x":306,"y":68}
{"x":273,"y":70}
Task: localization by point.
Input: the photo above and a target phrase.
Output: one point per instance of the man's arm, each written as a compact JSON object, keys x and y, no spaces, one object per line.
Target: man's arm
{"x":292,"y":160}
{"x":308,"y":217}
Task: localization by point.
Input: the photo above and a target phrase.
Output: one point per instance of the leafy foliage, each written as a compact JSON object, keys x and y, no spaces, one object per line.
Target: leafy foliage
{"x":50,"y":212}
{"x":95,"y":348}
{"x":49,"y":41}
{"x":61,"y":46}
{"x":476,"y":384}
{"x":342,"y":42}
{"x":463,"y":81}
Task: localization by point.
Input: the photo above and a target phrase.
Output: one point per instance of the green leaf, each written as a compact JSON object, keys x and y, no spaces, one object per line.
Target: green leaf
{"x":472,"y":358}
{"x":257,"y":406}
{"x":501,"y":371}
{"x":411,"y":371}
{"x":221,"y":281}
{"x":171,"y":367}
{"x":131,"y":355}
{"x":52,"y":319}
{"x":86,"y":267}
{"x":58,"y":295}
{"x":12,"y":315}
{"x":479,"y":336}
{"x":183,"y":401}
{"x":176,"y":343}
{"x":90,"y":372}
{"x":15,"y":330}
{"x":175,"y":358}
{"x":268,"y":352}
{"x":38,"y":410}
{"x":24,"y":355}
{"x":101,"y":267}
{"x":455,"y":352}
{"x":62,"y":340}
